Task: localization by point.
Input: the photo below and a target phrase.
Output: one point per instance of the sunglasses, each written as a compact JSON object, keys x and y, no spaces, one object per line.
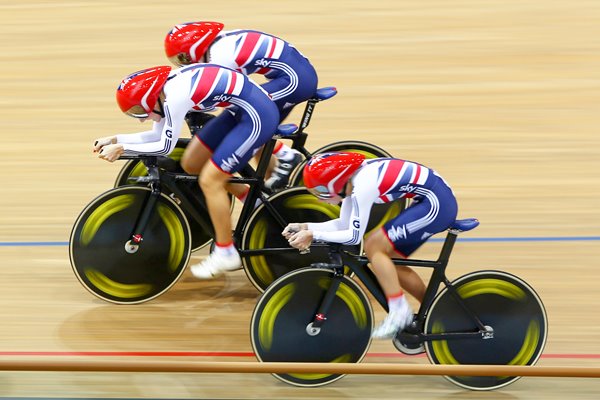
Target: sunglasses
{"x":321,"y":192}
{"x":140,"y":113}
{"x":181,"y":59}
{"x":137,"y":112}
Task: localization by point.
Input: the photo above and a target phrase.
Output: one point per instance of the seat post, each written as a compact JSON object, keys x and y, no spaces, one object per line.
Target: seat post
{"x":448,"y":246}
{"x":307,"y":115}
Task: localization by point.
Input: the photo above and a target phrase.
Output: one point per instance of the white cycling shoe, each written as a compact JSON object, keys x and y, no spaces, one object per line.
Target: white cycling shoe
{"x":215,"y":265}
{"x":395,"y":322}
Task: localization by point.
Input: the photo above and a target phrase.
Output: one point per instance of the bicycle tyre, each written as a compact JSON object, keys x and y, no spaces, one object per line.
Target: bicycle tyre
{"x":502,"y":301}
{"x":285,"y":310}
{"x":355,"y":146}
{"x":97,"y":246}
{"x":262,"y":231}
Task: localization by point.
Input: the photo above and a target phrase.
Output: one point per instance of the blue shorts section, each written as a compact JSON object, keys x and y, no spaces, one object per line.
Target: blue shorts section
{"x":439,"y":213}
{"x":234,"y":137}
{"x":304,"y":87}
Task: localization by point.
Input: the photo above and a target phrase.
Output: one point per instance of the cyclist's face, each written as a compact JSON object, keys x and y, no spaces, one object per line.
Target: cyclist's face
{"x":152,"y":116}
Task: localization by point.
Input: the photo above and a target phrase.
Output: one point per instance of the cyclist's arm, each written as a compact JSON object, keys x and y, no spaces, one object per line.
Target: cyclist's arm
{"x":334,"y":224}
{"x":163,"y":137}
{"x":354,"y":229}
{"x":140,"y":137}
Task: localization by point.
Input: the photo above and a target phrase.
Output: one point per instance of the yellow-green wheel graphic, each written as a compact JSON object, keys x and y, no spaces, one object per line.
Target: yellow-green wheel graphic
{"x":136,"y":168}
{"x":284,"y":311}
{"x":504,"y":303}
{"x":98,"y":251}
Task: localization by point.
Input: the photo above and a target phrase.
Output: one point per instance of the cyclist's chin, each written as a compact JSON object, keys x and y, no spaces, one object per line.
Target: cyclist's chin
{"x":334,"y":200}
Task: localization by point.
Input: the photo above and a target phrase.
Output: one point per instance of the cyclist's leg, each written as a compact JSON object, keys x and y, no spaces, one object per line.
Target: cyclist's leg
{"x":292,"y":85}
{"x":288,"y":89}
{"x":204,"y":143}
{"x":202,"y":146}
{"x":380,"y":251}
{"x":195,"y":156}
{"x":414,"y":226}
{"x":406,"y":233}
{"x":284,"y":158}
{"x":272,"y":160}
{"x":233,"y":152}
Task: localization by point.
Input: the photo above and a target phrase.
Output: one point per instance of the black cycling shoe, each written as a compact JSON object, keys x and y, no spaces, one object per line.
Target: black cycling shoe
{"x":281,"y":174}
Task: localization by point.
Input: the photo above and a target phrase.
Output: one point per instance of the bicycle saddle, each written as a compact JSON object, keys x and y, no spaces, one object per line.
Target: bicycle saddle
{"x":325,"y":93}
{"x":286,"y":129}
{"x":463,"y":225}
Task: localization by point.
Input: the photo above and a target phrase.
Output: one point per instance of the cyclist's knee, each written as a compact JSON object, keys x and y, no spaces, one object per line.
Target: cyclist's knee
{"x":189,"y":166}
{"x":195,"y":157}
{"x":377,"y":242}
{"x":213,"y":178}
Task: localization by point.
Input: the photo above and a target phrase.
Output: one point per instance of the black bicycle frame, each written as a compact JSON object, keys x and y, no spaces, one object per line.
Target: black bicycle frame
{"x":358,"y":265}
{"x":194,"y":205}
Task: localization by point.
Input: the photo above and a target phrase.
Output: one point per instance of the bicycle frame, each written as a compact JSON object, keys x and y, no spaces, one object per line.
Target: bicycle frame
{"x":358,"y":264}
{"x":158,"y":179}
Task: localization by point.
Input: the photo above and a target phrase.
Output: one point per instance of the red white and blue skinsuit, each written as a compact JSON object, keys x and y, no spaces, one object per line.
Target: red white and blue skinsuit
{"x":291,"y":78}
{"x":382,"y":180}
{"x":206,"y":87}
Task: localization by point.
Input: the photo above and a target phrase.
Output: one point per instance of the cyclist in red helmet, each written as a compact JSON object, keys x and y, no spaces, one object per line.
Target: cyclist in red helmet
{"x":165,"y":97}
{"x":291,"y":79}
{"x":360,"y":183}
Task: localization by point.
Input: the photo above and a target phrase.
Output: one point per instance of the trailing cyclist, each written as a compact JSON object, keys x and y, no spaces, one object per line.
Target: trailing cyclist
{"x":291,"y":79}
{"x":360,"y":183}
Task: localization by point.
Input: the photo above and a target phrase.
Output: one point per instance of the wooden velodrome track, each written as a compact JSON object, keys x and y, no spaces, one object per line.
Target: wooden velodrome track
{"x":501,"y":97}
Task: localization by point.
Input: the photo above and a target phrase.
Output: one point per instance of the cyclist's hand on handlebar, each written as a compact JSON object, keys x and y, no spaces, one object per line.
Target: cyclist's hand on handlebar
{"x":293,"y":228}
{"x":111,"y":152}
{"x":301,"y":240}
{"x":105,"y":141}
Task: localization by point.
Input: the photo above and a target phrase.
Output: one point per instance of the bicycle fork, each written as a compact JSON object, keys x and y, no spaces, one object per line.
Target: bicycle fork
{"x":314,"y":327}
{"x":137,"y":237}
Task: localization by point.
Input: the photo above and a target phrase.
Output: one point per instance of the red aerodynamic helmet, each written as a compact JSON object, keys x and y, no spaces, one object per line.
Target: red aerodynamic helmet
{"x":326,"y":174}
{"x":138,"y":93}
{"x":186,"y":43}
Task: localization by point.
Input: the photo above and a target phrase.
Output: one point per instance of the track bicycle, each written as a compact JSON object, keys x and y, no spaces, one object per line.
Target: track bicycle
{"x":135,"y":168}
{"x":320,"y":314}
{"x":133,"y":242}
